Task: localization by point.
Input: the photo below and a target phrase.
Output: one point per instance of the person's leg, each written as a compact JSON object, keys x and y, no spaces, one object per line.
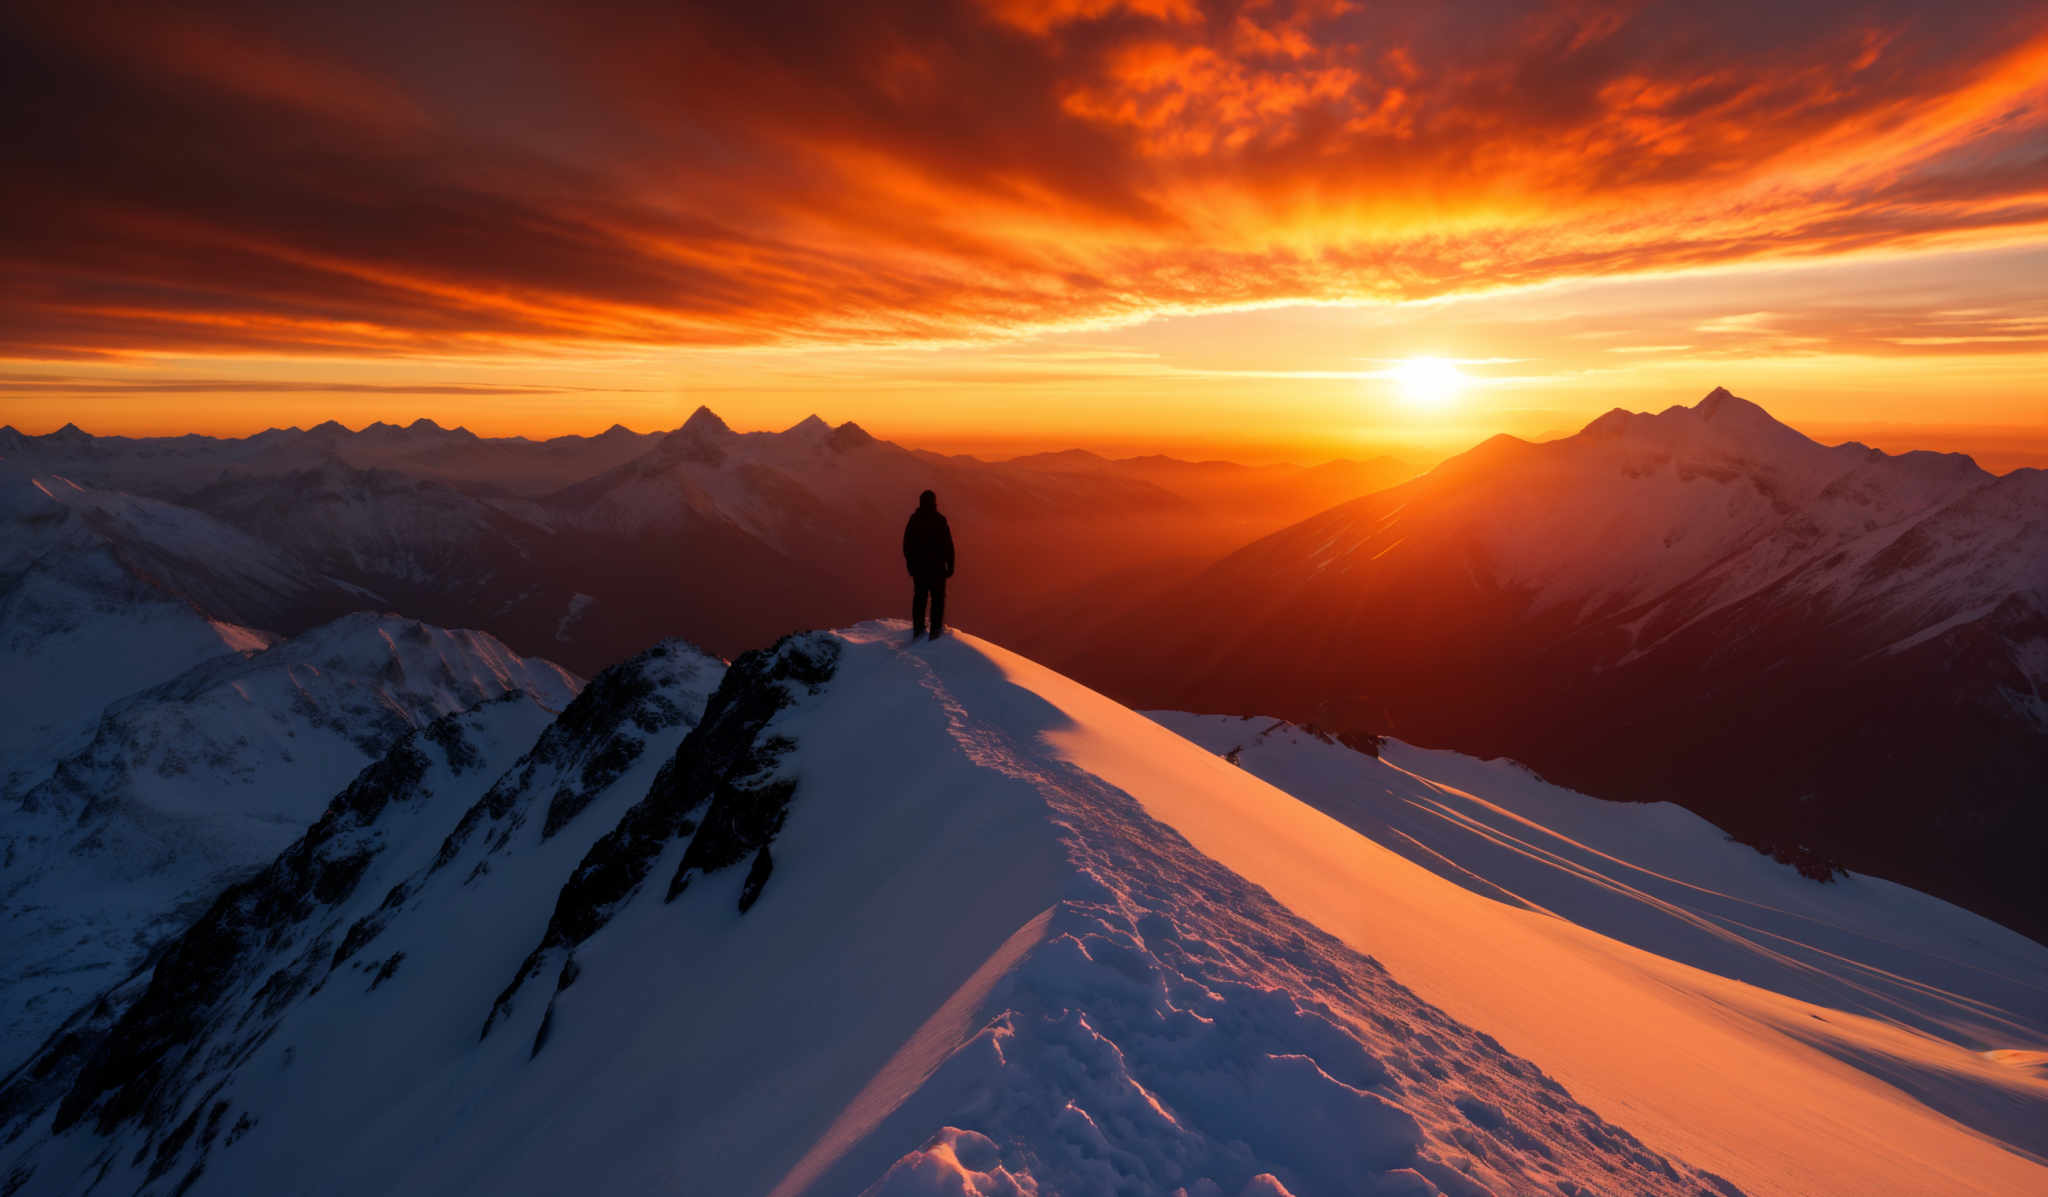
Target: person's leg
{"x":938,"y":606}
{"x":918,"y":592}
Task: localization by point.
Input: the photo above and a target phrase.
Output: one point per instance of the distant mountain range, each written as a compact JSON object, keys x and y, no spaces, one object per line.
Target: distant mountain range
{"x":1838,"y":654}
{"x":174,"y":466}
{"x":585,"y":549}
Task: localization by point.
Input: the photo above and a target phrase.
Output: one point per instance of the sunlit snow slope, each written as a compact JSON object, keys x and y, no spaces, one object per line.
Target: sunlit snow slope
{"x":1765,"y":1024}
{"x":913,"y":920}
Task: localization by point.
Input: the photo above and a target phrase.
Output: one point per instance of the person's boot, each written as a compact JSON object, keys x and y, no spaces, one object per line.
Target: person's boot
{"x":938,"y":632}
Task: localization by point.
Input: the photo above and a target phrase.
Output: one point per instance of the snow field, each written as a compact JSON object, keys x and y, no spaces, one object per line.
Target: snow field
{"x":1175,"y":1029}
{"x":1018,"y":939}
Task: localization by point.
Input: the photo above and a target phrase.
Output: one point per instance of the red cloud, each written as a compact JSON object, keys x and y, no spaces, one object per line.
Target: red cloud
{"x":385,"y":180}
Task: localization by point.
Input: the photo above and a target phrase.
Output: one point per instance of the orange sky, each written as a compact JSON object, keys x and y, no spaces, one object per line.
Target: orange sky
{"x":1203,"y":228}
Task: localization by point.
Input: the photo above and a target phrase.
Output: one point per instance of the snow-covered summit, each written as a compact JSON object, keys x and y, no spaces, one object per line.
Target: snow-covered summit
{"x":1721,"y":424}
{"x":1640,"y":608}
{"x":1729,"y":439}
{"x":916,"y":920}
{"x":704,"y":422}
{"x":811,"y":430}
{"x":1701,"y":506}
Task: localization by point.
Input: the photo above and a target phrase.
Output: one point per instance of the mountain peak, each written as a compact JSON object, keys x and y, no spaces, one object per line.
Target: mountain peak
{"x":702,"y":422}
{"x":1613,"y":423}
{"x":618,"y":430}
{"x":70,"y":432}
{"x":703,"y":438}
{"x":811,"y":427}
{"x":850,"y":436}
{"x":1722,"y":405}
{"x":1722,"y":423}
{"x":423,"y":424}
{"x":329,"y":428}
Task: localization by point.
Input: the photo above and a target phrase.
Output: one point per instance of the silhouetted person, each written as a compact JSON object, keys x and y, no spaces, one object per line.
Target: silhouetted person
{"x":928,"y":555}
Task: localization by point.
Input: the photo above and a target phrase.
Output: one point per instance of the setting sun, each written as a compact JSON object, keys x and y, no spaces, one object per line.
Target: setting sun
{"x":1428,"y":381}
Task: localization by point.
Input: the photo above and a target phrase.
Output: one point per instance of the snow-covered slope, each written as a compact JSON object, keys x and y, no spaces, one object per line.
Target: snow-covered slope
{"x":1944,"y":1005}
{"x":421,"y":545}
{"x":103,"y":594}
{"x":1816,"y":647}
{"x":184,"y":554}
{"x":386,"y":529}
{"x":205,"y":777}
{"x":908,"y":921}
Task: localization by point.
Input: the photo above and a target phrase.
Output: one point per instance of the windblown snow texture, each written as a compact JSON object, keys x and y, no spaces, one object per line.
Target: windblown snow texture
{"x":974,"y":965}
{"x":1918,"y":996}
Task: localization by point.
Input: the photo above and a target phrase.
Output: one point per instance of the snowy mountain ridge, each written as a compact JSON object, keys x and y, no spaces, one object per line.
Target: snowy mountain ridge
{"x":1698,"y":507}
{"x":105,"y":594}
{"x":205,"y":777}
{"x":932,"y":919}
{"x":584,"y":549}
{"x":174,"y":466}
{"x":1654,"y":601}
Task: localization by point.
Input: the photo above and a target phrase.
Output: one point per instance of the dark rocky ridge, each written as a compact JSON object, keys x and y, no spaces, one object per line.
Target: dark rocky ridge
{"x":726,"y":767}
{"x":123,"y":1074}
{"x":222,"y":987}
{"x":595,"y":739}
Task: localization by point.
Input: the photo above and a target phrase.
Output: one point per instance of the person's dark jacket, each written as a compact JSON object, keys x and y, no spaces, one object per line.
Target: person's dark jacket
{"x":928,"y":543}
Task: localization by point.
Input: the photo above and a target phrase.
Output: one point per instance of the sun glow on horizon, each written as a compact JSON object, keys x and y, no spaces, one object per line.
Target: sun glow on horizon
{"x":1432,"y":382}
